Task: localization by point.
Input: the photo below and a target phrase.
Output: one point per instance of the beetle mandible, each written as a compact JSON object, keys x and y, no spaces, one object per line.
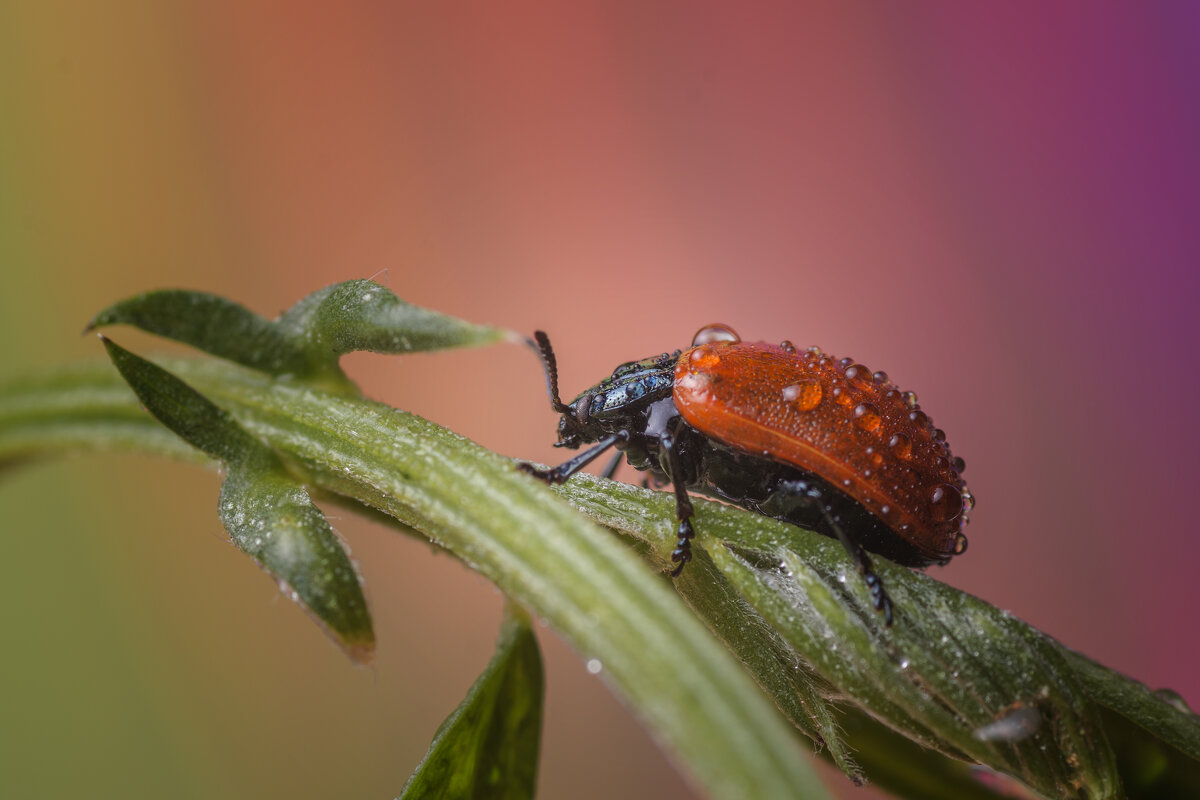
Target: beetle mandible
{"x":798,"y":436}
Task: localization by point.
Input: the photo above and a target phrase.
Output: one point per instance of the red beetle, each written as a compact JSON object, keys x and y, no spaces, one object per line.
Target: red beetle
{"x":799,"y":436}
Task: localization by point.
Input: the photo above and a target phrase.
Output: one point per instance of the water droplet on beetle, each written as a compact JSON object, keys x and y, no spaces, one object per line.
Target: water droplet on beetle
{"x":704,"y":357}
{"x":715,"y":332}
{"x":804,"y":395}
{"x":866,"y":416}
{"x":859,"y":376}
{"x":945,"y":503}
{"x":900,"y":445}
{"x":788,"y":347}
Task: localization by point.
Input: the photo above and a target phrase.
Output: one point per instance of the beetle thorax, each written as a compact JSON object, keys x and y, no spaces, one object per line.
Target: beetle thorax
{"x":619,"y":402}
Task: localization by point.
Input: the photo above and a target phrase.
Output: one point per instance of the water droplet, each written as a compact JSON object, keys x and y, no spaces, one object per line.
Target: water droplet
{"x":920,"y":419}
{"x":904,"y":663}
{"x":910,"y":399}
{"x":866,"y":416}
{"x":879,"y":377}
{"x":900,"y":445}
{"x":804,"y":395}
{"x":704,"y":357}
{"x":960,"y":544}
{"x":859,"y":376}
{"x":594,"y":666}
{"x":1173,"y":698}
{"x":715,"y":332}
{"x":841,"y":396}
{"x":788,"y":347}
{"x":945,"y":503}
{"x":1018,"y":724}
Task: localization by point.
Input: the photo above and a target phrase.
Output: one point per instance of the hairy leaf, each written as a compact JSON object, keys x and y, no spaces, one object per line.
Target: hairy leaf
{"x":308,"y":339}
{"x":268,"y":514}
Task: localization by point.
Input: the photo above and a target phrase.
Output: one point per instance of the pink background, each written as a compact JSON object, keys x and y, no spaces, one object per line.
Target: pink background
{"x":997,"y":208}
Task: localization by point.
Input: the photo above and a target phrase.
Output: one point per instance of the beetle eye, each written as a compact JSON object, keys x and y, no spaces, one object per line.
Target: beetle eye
{"x":583,"y":409}
{"x":715,"y":332}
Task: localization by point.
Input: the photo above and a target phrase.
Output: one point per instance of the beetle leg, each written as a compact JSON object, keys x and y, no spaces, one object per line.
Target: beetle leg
{"x":611,"y":468}
{"x":683,"y":505}
{"x":566,"y":469}
{"x":863,"y":561}
{"x":791,"y":495}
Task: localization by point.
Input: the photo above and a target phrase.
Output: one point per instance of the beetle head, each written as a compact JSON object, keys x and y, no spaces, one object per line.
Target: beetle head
{"x":572,"y":426}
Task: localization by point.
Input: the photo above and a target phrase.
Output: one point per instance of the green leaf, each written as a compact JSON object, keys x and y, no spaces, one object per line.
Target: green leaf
{"x":213,"y":324}
{"x":774,"y":663}
{"x":269,"y":515}
{"x":307,"y":340}
{"x":192,"y":416}
{"x":488,"y":747}
{"x":944,"y":677}
{"x":1153,"y":733}
{"x":362,"y":315}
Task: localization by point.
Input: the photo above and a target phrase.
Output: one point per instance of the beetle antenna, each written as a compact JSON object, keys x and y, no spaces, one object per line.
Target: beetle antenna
{"x":541,"y":343}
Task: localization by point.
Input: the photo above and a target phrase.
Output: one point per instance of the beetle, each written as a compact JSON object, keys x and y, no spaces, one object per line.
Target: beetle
{"x":799,"y":436}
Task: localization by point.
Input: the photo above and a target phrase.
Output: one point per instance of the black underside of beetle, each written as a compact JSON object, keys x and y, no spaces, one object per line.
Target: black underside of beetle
{"x":775,"y":490}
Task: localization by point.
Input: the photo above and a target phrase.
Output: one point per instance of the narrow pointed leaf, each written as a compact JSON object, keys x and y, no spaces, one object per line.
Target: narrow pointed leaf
{"x":488,"y":748}
{"x":213,"y":324}
{"x":268,"y":514}
{"x":362,"y":315}
{"x":271,"y":518}
{"x":189,"y":414}
{"x":307,"y":340}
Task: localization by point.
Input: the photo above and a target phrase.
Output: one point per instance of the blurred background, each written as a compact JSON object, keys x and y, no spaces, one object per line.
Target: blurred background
{"x":998,"y":208}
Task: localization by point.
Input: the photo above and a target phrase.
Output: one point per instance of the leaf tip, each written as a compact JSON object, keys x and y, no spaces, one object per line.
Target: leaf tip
{"x":362,"y":653}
